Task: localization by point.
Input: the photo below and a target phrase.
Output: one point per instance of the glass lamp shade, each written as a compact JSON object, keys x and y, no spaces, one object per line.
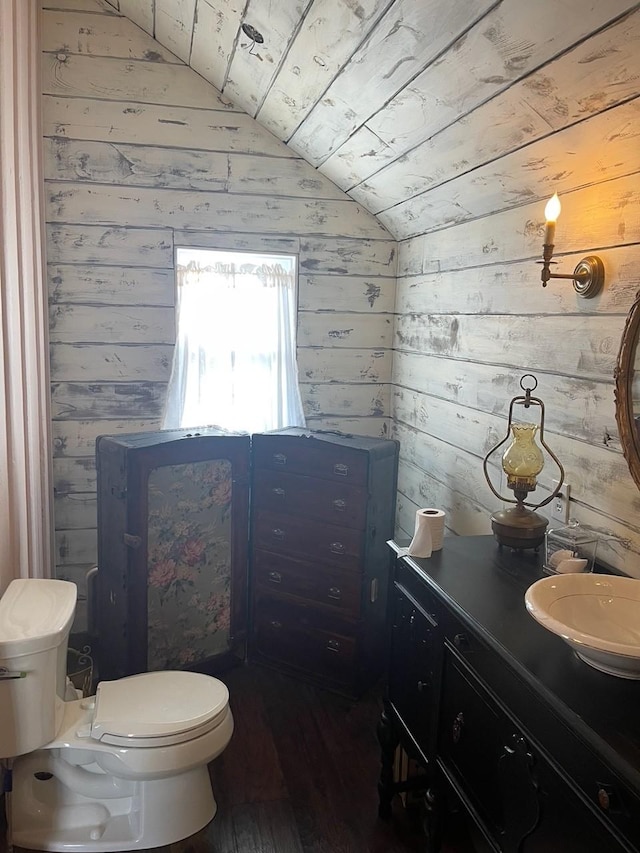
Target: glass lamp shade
{"x":523,"y":460}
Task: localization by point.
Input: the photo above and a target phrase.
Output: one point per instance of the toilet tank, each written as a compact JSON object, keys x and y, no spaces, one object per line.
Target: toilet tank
{"x":35,"y":621}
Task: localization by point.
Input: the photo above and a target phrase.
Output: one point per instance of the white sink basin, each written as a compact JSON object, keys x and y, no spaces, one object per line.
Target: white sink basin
{"x":598,"y":615}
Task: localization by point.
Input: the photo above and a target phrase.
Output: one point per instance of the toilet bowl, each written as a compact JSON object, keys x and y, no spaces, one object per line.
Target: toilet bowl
{"x":124,"y":770}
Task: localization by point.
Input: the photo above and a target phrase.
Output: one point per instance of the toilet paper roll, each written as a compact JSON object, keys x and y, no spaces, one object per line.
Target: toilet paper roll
{"x":428,"y":533}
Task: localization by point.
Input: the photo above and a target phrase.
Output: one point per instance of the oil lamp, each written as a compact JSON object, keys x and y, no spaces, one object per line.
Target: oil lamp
{"x":519,"y":526}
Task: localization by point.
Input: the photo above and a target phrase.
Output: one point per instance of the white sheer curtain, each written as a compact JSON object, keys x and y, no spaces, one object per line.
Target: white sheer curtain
{"x":25,"y":447}
{"x":234,"y":363}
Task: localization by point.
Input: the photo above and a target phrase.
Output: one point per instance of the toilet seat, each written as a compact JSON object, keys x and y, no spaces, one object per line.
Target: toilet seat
{"x":158,"y":708}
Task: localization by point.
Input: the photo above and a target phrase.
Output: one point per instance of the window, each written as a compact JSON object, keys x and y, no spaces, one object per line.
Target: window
{"x":234,"y":363}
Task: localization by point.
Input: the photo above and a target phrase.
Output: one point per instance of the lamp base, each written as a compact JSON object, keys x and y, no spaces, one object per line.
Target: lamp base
{"x":518,"y":527}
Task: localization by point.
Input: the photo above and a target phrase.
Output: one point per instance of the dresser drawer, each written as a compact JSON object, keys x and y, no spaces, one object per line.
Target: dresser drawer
{"x":333,"y":502}
{"x":299,"y":538}
{"x":300,"y":638}
{"x":329,"y":586}
{"x":311,"y":457}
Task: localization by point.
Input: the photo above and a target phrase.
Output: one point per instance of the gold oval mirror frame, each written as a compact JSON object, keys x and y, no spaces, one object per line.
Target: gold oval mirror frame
{"x":628,"y":422}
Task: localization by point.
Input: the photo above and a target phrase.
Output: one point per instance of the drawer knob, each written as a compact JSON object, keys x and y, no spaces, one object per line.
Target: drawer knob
{"x":275,"y":624}
{"x":335,"y":593}
{"x":275,"y":577}
{"x":278,"y":491}
{"x":461,"y":642}
{"x":340,"y":469}
{"x":337,"y":548}
{"x":333,"y":646}
{"x":277,"y":533}
{"x":423,"y":685}
{"x":607,"y":799}
{"x":339,"y":505}
{"x":279,"y":459}
{"x":458,"y":725}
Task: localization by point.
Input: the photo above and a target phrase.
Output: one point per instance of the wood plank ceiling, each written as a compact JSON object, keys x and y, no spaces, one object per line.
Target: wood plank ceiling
{"x":393,"y":100}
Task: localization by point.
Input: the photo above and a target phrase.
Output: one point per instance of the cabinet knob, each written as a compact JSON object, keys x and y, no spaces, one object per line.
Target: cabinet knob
{"x":277,"y":533}
{"x":279,"y":459}
{"x":458,"y":725}
{"x":337,"y":548}
{"x":278,"y":492}
{"x":340,"y":469}
{"x":607,"y":799}
{"x":423,"y":685}
{"x":275,"y":577}
{"x":333,"y":646}
{"x":604,"y":801}
{"x":461,"y":642}
{"x":275,"y":624}
{"x":518,"y":746}
{"x":339,"y":505}
{"x":335,"y":593}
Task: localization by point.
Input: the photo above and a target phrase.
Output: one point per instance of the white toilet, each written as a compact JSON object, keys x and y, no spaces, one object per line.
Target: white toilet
{"x":124,"y":770}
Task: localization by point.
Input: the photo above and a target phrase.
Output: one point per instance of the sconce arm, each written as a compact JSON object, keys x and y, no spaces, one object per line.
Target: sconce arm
{"x":581,"y":276}
{"x":587,"y":277}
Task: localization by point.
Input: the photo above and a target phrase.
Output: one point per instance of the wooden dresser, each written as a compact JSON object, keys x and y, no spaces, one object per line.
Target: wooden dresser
{"x":541,"y":750}
{"x":322,"y":509}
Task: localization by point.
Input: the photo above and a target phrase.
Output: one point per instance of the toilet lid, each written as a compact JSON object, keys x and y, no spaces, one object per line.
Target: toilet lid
{"x":157,"y":704}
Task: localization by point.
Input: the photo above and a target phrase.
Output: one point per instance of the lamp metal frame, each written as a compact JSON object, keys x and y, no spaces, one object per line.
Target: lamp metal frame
{"x":526,"y":400}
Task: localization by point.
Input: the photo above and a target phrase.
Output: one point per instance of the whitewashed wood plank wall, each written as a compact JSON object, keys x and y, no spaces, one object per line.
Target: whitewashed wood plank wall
{"x":142,"y":155}
{"x":456,"y":161}
{"x":472,"y":317}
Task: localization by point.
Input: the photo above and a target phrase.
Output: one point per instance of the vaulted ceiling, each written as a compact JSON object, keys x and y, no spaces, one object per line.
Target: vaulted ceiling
{"x":394,"y":100}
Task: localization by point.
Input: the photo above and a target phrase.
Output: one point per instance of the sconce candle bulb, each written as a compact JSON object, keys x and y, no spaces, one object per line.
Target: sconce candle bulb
{"x":551,"y":213}
{"x":587,"y":277}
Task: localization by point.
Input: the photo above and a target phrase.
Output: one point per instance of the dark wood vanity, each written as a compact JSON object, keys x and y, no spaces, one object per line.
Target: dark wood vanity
{"x":541,"y":750}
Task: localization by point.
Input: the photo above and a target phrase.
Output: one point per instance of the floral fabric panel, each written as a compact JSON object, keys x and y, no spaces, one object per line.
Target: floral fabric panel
{"x":189,"y":563}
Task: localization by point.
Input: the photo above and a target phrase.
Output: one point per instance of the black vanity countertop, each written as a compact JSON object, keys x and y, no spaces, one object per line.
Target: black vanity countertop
{"x":484,"y":586}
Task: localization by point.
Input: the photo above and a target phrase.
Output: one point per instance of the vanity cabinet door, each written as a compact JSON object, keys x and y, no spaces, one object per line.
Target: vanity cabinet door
{"x":566,"y":824}
{"x":471,"y":737}
{"x":413,"y":671}
{"x":510,"y":788}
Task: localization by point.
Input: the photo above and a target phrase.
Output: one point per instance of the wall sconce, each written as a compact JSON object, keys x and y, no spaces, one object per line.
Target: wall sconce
{"x":588,"y":276}
{"x":520,"y":526}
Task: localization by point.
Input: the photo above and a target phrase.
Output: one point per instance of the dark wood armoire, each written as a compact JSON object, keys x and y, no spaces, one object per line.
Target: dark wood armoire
{"x":213,"y":545}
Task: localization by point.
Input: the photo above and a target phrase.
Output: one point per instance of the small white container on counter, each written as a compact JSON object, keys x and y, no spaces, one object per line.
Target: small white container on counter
{"x":570,"y":549}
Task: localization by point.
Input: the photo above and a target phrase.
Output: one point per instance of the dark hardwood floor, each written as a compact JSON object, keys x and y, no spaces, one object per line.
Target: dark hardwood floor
{"x":300,"y":776}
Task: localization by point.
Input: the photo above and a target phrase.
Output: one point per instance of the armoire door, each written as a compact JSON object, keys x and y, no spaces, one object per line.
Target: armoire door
{"x":172,"y":550}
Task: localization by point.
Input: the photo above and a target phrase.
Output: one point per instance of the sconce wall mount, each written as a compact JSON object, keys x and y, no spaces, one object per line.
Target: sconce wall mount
{"x":587,"y":277}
